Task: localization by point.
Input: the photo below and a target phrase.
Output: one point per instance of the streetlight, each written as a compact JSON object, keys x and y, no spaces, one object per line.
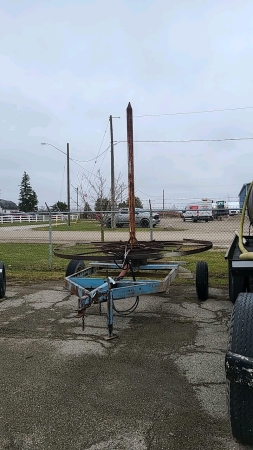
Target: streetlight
{"x":68,"y":178}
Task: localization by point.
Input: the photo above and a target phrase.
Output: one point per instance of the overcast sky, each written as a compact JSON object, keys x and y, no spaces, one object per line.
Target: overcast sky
{"x":67,"y":65}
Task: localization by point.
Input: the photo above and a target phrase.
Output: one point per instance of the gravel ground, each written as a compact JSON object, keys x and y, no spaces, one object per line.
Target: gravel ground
{"x":159,"y":385}
{"x":221,"y":233}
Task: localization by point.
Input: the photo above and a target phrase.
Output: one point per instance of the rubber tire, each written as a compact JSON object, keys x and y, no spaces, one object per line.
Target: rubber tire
{"x":109,"y":224}
{"x":2,"y":280}
{"x":144,"y":223}
{"x":75,"y":265}
{"x":202,"y":280}
{"x":239,"y":397}
{"x":236,"y":285}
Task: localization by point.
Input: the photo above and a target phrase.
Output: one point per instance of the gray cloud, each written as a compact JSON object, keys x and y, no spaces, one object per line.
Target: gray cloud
{"x":65,"y":67}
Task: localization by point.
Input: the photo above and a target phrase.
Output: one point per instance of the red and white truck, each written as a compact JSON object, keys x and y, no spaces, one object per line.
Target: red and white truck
{"x":199,"y":211}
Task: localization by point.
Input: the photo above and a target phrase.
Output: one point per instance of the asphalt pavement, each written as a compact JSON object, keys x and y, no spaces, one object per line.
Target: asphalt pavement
{"x":159,"y":385}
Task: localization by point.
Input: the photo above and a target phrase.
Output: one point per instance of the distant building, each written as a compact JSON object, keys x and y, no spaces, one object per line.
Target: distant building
{"x":7,"y":206}
{"x":242,"y":194}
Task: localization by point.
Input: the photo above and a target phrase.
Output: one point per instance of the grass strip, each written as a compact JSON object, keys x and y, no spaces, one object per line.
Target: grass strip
{"x":30,"y":263}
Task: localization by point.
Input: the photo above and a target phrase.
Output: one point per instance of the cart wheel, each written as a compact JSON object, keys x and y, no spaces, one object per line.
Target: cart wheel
{"x":240,"y":397}
{"x":2,"y":280}
{"x":75,"y":265}
{"x":235,"y":286}
{"x":202,"y":280}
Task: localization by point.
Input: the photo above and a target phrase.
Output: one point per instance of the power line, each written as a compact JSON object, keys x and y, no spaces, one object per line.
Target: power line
{"x":148,"y":195}
{"x":103,"y":138}
{"x":183,"y":141}
{"x":187,"y":186}
{"x":82,"y":167}
{"x":109,"y":146}
{"x":88,"y":160}
{"x":195,"y":112}
{"x":114,"y":143}
{"x":88,"y":181}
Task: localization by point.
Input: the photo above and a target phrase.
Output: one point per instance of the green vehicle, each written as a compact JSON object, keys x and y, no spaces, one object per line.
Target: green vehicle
{"x":220,"y":210}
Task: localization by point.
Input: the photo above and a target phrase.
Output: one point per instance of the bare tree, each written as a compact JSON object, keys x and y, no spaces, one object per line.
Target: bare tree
{"x":100,"y":195}
{"x":120,"y":189}
{"x":96,"y":187}
{"x":99,"y":192}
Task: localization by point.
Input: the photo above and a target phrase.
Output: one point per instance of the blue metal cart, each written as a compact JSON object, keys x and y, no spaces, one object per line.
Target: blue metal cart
{"x":133,"y":275}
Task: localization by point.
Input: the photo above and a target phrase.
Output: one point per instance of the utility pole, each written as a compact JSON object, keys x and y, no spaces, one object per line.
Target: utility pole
{"x":163,"y":199}
{"x":131,"y":196}
{"x":68,"y":185}
{"x":112,"y":177}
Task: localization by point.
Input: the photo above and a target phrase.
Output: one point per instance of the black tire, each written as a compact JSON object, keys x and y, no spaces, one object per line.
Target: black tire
{"x":250,"y":284}
{"x":240,"y":397}
{"x":202,"y":280}
{"x":145,"y":223}
{"x":75,"y":265}
{"x":236,"y":285}
{"x":2,"y":280}
{"x":109,"y":223}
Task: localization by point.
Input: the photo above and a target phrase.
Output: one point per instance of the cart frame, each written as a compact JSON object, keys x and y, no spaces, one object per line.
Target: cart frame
{"x":93,"y":289}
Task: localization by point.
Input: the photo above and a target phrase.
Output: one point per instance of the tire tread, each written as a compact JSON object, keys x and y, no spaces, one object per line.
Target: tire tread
{"x":75,"y":265}
{"x":202,"y":280}
{"x":240,"y":398}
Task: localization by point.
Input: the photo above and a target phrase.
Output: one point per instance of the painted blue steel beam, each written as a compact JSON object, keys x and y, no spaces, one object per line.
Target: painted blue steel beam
{"x":96,"y":289}
{"x":126,"y":290}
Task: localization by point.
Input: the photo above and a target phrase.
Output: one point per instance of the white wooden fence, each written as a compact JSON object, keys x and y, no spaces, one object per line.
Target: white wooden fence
{"x":11,"y":218}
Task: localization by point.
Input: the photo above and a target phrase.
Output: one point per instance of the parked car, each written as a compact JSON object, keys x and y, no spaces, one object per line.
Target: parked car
{"x":142,"y":218}
{"x":234,"y":212}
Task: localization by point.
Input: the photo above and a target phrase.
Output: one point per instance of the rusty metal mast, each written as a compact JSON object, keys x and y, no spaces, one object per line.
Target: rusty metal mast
{"x":133,"y":251}
{"x":131,"y":196}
